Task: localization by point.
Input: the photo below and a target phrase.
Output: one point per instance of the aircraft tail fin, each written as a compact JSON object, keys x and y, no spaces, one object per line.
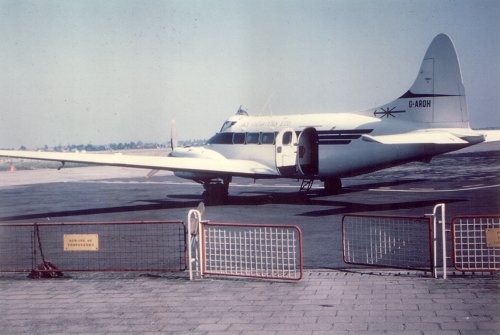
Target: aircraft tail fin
{"x":437,"y":97}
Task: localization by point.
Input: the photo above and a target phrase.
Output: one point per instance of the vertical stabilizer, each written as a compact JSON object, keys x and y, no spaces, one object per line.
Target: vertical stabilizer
{"x":437,"y":97}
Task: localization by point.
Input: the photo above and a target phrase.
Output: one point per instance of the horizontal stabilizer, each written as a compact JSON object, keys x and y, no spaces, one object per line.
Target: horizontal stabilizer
{"x":491,"y":135}
{"x":431,"y":137}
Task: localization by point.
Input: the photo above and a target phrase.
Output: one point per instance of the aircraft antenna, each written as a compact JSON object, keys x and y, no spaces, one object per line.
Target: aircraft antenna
{"x":241,"y":111}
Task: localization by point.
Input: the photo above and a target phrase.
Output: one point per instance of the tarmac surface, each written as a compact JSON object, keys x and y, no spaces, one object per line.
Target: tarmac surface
{"x":332,"y":297}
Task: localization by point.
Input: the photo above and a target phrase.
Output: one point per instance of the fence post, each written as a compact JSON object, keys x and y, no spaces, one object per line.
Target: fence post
{"x":443,"y":236}
{"x":435,"y":221}
{"x":192,"y":229}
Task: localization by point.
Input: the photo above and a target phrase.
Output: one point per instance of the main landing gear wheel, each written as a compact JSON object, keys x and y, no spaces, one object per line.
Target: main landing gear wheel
{"x":216,"y":192}
{"x":333,"y":186}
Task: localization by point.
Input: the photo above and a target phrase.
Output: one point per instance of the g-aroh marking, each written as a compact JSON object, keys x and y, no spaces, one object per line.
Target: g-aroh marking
{"x":419,"y":103}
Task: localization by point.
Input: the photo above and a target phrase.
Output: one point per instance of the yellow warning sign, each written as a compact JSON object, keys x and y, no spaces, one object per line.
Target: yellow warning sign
{"x":81,"y":242}
{"x":493,"y":237}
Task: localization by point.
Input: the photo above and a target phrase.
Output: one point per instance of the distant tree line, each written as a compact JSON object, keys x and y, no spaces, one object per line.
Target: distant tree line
{"x":114,"y":146}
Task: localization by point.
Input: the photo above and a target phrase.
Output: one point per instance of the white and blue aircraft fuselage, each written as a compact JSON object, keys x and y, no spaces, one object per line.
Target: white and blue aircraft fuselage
{"x":431,"y":118}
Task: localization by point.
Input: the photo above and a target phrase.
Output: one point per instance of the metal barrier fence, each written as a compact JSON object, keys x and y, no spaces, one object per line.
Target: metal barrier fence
{"x":244,"y":250}
{"x":93,"y":246}
{"x":258,"y":251}
{"x":388,"y":241}
{"x":476,"y":243}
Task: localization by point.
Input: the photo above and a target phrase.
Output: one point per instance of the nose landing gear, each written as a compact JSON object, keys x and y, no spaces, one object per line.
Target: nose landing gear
{"x":216,"y":191}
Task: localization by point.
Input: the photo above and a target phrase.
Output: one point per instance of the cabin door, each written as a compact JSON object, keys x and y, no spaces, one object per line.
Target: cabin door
{"x":307,"y":160}
{"x":286,"y":152}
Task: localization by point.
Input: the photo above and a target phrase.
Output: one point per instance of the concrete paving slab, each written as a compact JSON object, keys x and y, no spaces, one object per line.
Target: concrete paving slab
{"x":324,"y":302}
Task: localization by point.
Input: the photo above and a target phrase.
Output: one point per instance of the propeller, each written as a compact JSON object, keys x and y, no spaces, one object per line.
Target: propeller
{"x":151,"y":173}
{"x":173,"y":145}
{"x":173,"y":135}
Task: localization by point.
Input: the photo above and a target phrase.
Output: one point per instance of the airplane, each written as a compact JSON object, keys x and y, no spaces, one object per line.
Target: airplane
{"x":429,"y":119}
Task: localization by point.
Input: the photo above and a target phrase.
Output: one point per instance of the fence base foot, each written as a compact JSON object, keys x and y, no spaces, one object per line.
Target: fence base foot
{"x":45,"y":270}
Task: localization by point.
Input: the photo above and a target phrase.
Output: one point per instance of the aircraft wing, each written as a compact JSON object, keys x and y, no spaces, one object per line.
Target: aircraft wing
{"x":427,"y":137}
{"x":233,"y":167}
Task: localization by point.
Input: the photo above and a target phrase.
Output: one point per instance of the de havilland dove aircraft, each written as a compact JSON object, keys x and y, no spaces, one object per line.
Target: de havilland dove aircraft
{"x":427,"y":120}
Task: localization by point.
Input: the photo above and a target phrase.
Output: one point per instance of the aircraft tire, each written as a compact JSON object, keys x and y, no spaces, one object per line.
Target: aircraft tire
{"x":333,"y":186}
{"x":216,"y":194}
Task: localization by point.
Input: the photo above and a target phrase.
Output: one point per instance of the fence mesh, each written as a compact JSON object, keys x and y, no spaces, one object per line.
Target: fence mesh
{"x":476,"y":243}
{"x":16,"y":247}
{"x":387,"y":241}
{"x":96,"y":246}
{"x":273,"y":252}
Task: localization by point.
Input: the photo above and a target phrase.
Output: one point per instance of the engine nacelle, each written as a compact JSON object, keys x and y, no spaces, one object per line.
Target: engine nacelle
{"x":199,"y":177}
{"x":196,"y":152}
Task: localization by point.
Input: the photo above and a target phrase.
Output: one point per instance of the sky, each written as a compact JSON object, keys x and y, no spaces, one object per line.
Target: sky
{"x":99,"y":72}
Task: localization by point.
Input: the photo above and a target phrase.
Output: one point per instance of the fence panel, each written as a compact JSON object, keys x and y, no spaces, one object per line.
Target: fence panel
{"x":476,"y":243}
{"x":94,"y":246}
{"x":270,"y":252}
{"x":388,"y":241}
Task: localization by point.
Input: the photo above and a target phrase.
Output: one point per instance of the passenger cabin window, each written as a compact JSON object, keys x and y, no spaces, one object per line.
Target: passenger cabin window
{"x":247,"y":138}
{"x":267,"y":138}
{"x":239,"y":138}
{"x":252,"y":138}
{"x":287,"y":138}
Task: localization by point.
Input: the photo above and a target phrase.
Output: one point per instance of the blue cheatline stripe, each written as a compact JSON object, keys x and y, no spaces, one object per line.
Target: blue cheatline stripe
{"x":340,"y":137}
{"x":334,"y":142}
{"x":344,"y":132}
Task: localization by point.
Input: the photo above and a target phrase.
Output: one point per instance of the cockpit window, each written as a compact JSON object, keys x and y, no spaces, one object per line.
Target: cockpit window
{"x":267,"y":138}
{"x":221,"y":138}
{"x":252,"y":138}
{"x":227,"y":125}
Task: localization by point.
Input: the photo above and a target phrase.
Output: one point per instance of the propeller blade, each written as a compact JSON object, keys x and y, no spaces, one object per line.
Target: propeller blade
{"x":151,"y":173}
{"x":173,"y":135}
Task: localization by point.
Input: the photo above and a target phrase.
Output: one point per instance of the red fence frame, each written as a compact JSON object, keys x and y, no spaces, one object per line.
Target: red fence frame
{"x":469,"y":245}
{"x":262,"y":258}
